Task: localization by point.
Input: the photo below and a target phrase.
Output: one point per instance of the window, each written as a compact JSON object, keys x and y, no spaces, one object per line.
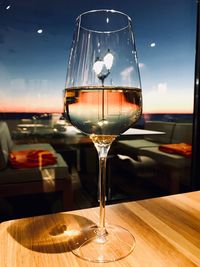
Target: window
{"x":35,"y":39}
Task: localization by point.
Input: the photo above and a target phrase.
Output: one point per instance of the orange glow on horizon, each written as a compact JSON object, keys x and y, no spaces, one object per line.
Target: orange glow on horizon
{"x":60,"y":110}
{"x":164,"y":105}
{"x":168,"y":111}
{"x":30,"y":110}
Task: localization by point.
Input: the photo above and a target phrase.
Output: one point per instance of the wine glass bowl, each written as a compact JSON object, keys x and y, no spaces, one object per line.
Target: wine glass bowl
{"x":103,"y":98}
{"x":103,"y":110}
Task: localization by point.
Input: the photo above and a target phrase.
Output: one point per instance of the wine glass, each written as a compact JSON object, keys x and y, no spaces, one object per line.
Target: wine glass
{"x":103,"y":99}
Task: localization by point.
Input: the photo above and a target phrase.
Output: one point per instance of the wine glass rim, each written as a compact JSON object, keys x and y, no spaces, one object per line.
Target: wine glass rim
{"x":104,"y":10}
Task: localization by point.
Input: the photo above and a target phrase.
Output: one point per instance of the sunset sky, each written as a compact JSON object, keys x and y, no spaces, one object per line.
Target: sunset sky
{"x":35,"y":38}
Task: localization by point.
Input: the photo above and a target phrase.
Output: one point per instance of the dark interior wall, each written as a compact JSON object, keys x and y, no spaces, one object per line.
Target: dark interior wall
{"x":196,"y":121}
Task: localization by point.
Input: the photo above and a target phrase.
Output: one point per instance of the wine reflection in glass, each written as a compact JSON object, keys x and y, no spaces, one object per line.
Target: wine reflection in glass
{"x":103,"y":99}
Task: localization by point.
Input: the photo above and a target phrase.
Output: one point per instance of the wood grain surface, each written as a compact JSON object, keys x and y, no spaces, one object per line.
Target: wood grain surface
{"x":166,"y":229}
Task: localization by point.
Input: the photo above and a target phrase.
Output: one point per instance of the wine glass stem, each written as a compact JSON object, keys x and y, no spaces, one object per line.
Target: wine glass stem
{"x":102,"y":154}
{"x":102,"y":191}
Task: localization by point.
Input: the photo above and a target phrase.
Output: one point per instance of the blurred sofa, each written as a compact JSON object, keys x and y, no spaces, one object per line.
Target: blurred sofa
{"x":142,"y":157}
{"x":23,"y":181}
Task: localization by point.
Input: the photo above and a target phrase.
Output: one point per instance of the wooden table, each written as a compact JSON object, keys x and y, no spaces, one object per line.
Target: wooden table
{"x":167,"y":232}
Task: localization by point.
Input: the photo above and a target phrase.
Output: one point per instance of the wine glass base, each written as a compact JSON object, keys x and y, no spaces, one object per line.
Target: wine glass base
{"x":115,"y":245}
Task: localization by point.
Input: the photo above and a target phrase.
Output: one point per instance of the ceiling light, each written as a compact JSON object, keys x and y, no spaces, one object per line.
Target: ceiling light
{"x":39,"y":31}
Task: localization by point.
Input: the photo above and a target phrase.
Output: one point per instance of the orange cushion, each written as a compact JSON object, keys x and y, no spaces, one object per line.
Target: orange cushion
{"x":182,"y":149}
{"x":31,"y":158}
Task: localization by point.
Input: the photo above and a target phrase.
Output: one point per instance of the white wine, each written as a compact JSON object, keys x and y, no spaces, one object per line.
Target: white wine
{"x":103,"y":110}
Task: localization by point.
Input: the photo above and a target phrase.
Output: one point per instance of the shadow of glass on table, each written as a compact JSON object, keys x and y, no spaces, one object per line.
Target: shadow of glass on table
{"x":56,"y":233}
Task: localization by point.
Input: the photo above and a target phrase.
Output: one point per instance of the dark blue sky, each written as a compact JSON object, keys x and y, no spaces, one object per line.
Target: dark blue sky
{"x":33,"y":65}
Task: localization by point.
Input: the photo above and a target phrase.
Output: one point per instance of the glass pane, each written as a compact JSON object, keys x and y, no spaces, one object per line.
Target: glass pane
{"x":35,"y":40}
